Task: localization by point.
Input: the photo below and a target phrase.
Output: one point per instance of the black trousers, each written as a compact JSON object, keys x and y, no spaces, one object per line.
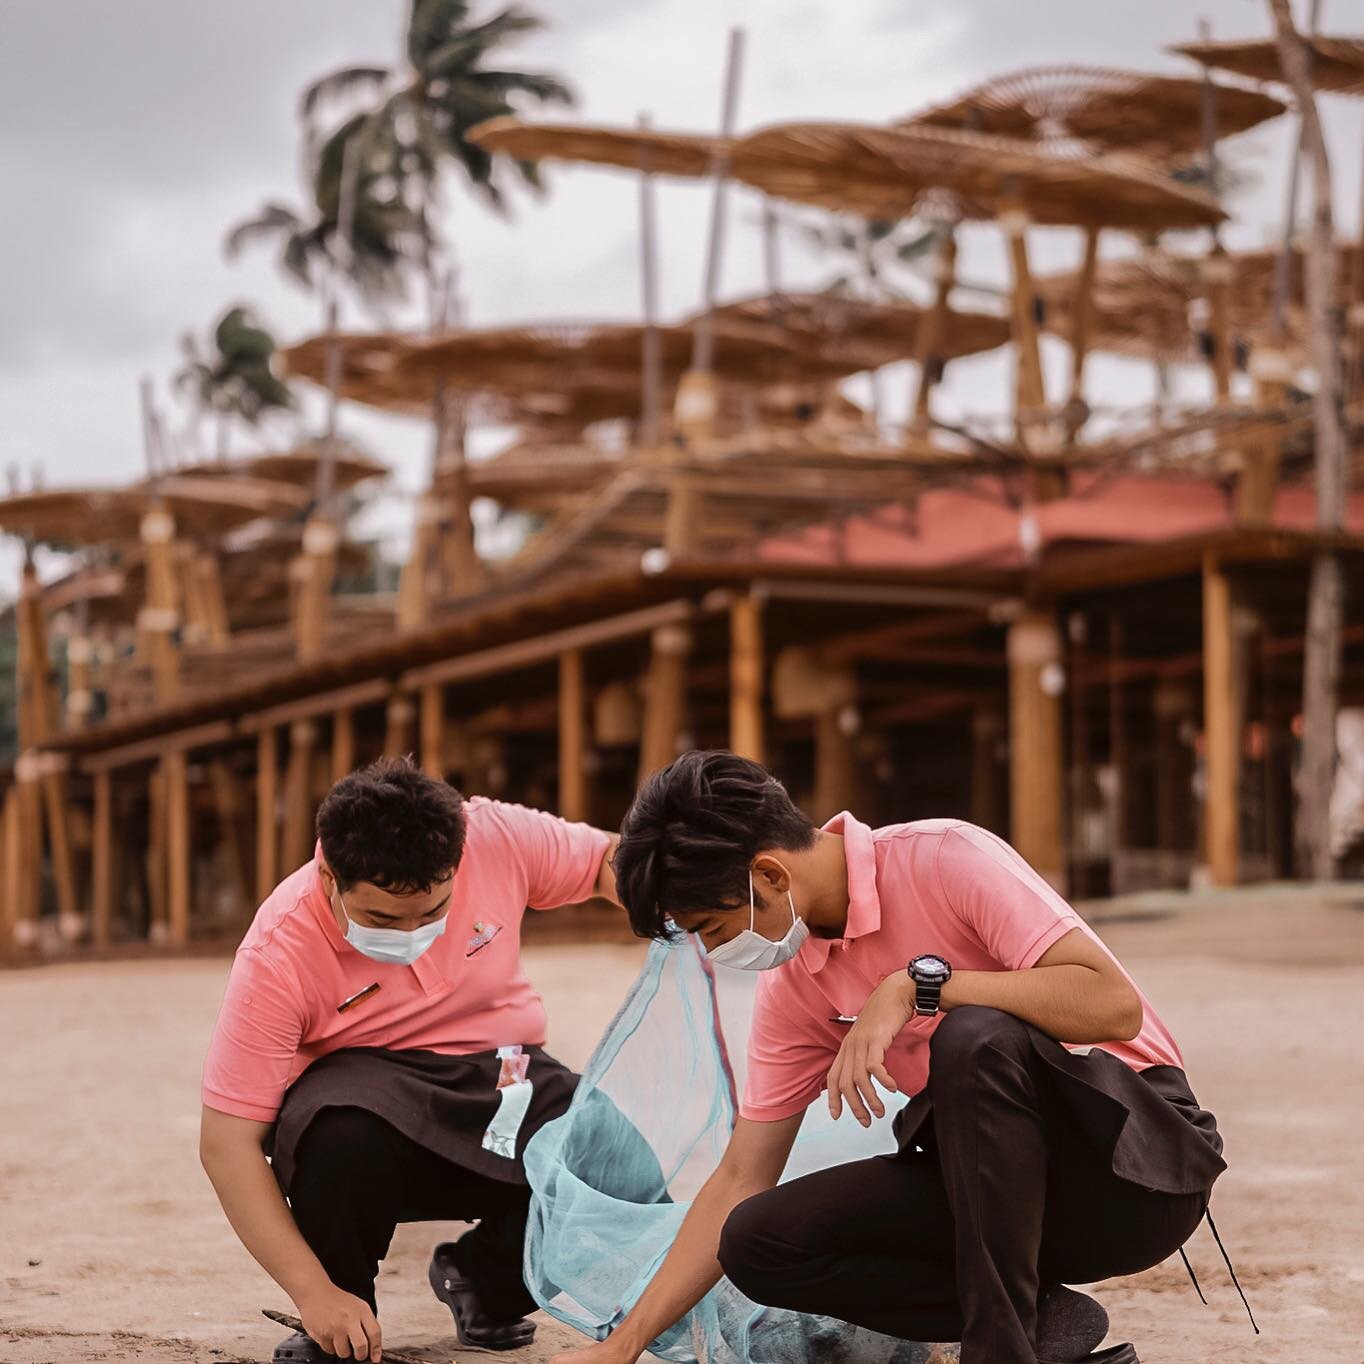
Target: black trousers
{"x":959,"y":1239}
{"x":356,"y":1177}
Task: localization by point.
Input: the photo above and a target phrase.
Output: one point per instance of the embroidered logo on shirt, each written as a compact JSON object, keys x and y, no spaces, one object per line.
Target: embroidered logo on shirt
{"x":483,"y":935}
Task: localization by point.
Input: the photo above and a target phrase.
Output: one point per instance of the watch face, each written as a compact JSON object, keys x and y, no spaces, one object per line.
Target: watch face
{"x":929,"y":965}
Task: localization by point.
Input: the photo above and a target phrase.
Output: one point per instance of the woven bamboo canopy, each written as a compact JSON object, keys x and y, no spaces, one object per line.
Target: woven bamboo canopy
{"x":202,"y":507}
{"x":1142,"y":306}
{"x":592,"y":372}
{"x":883,"y":173}
{"x":883,"y":331}
{"x":687,"y":155}
{"x":1107,"y":109}
{"x":1337,"y":63}
{"x":297,"y":466}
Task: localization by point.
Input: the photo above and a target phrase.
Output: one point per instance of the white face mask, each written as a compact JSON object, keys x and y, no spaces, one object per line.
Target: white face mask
{"x":750,"y":951}
{"x":392,"y":946}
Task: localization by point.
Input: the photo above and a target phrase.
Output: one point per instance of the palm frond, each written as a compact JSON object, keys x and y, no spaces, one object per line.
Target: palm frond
{"x":271,"y":221}
{"x":430,"y":23}
{"x":337,"y":84}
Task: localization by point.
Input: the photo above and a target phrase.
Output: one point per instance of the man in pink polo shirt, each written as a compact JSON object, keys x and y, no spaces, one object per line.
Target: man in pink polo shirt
{"x":931,"y":959}
{"x":380,"y":1041}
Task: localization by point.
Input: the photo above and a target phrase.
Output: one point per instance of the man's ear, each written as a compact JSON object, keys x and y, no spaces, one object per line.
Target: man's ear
{"x":771,"y":874}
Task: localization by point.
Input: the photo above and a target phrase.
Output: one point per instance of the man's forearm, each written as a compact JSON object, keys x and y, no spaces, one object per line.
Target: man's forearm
{"x":1070,"y":1003}
{"x":251,"y":1198}
{"x":689,"y":1271}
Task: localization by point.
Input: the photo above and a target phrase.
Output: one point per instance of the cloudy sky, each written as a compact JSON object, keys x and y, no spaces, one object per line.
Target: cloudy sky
{"x":132,"y":134}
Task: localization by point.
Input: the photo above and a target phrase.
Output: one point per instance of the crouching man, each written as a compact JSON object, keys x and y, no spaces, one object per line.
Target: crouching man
{"x":358,"y":1046}
{"x":931,"y":958}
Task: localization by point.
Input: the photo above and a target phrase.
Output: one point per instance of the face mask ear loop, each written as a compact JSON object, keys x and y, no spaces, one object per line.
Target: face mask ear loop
{"x":752,"y":909}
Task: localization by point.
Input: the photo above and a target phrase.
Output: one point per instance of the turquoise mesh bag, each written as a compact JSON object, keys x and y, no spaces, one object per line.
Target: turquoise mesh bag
{"x":612,"y":1179}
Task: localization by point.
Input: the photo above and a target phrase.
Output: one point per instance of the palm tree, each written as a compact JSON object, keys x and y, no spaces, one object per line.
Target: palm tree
{"x":426,"y":110}
{"x":234,"y":380}
{"x":382,"y":233}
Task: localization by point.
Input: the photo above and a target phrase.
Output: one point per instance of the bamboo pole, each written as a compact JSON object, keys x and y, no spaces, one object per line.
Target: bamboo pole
{"x":298,"y":804}
{"x":665,"y":697}
{"x":10,"y":908}
{"x":1082,"y":325}
{"x":175,"y":768}
{"x":572,"y":736}
{"x":929,"y":334}
{"x":1036,"y":786}
{"x":746,"y":676}
{"x":158,"y":929}
{"x":651,"y":358}
{"x":343,"y":743}
{"x":433,"y":730}
{"x":227,"y":803}
{"x":1221,"y":724}
{"x":267,"y":796}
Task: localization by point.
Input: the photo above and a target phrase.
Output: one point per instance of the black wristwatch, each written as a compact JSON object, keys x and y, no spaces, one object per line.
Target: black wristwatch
{"x":929,"y":974}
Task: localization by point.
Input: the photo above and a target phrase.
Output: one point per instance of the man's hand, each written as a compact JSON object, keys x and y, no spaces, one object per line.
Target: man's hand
{"x":602,"y":1352}
{"x":342,"y":1323}
{"x":863,"y":1053}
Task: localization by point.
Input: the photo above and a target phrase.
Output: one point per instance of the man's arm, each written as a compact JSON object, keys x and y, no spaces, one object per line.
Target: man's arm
{"x":1075,"y":993}
{"x":230,"y":1149}
{"x":753,"y":1161}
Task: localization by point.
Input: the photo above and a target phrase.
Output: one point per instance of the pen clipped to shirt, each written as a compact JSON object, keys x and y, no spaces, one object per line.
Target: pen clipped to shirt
{"x":358,"y":997}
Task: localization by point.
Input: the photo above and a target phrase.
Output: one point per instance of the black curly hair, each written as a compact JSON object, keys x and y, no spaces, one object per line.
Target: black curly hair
{"x":692,"y":832}
{"x":393,"y":826}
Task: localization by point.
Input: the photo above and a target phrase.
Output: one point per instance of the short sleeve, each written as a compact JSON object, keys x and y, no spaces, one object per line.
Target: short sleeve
{"x":1011,"y":909}
{"x":562,"y":859}
{"x":255,"y":1041}
{"x":789,"y":1055}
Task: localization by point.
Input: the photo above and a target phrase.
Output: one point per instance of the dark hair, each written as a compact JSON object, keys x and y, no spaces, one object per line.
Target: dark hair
{"x":393,"y":826}
{"x":691,"y":834}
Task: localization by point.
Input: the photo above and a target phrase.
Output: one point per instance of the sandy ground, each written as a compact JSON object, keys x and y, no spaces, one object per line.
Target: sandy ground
{"x":112,"y":1246}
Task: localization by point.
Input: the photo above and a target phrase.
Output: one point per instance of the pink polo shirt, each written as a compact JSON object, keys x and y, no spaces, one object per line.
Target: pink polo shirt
{"x":468,"y":993}
{"x":936,"y":885}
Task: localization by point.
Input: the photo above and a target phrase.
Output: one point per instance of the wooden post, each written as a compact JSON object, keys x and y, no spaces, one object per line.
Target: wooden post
{"x":398,"y":736}
{"x":54,"y":786}
{"x":267,"y":796}
{"x":227,"y":803}
{"x":1030,"y":388}
{"x":414,"y":585}
{"x":10,"y":892}
{"x":1221,"y":725}
{"x":682,"y":521}
{"x":1217,"y":271}
{"x":572,"y":736}
{"x":298,"y":802}
{"x":746,"y":676}
{"x":1119,"y":749}
{"x":928,"y":337}
{"x":987,"y":795}
{"x":158,"y":929}
{"x":433,"y":730}
{"x":343,"y":743}
{"x":80,"y":695}
{"x":665,"y":697}
{"x":175,"y":769}
{"x":159,"y":618}
{"x":835,"y":761}
{"x":1036,"y":789}
{"x":320,"y":542}
{"x":28,"y":861}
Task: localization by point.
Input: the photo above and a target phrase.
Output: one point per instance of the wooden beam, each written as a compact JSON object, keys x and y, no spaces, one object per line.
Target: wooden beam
{"x":267,"y":796}
{"x":746,"y":671}
{"x":1036,"y":787}
{"x":665,"y":697}
{"x":572,"y":736}
{"x":176,"y":776}
{"x":153,"y":750}
{"x":544,"y":647}
{"x":1221,"y":724}
{"x":433,"y":730}
{"x":343,"y":743}
{"x":319,"y":703}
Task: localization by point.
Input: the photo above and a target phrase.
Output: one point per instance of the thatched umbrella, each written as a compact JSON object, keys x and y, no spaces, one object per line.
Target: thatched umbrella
{"x":1108,"y":110}
{"x":298,"y":466}
{"x":1337,"y":63}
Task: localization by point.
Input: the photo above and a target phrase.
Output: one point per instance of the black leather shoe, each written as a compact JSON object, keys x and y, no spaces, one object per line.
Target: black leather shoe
{"x":472,"y":1324}
{"x":300,"y":1349}
{"x":1070,"y":1325}
{"x":1115,"y":1354}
